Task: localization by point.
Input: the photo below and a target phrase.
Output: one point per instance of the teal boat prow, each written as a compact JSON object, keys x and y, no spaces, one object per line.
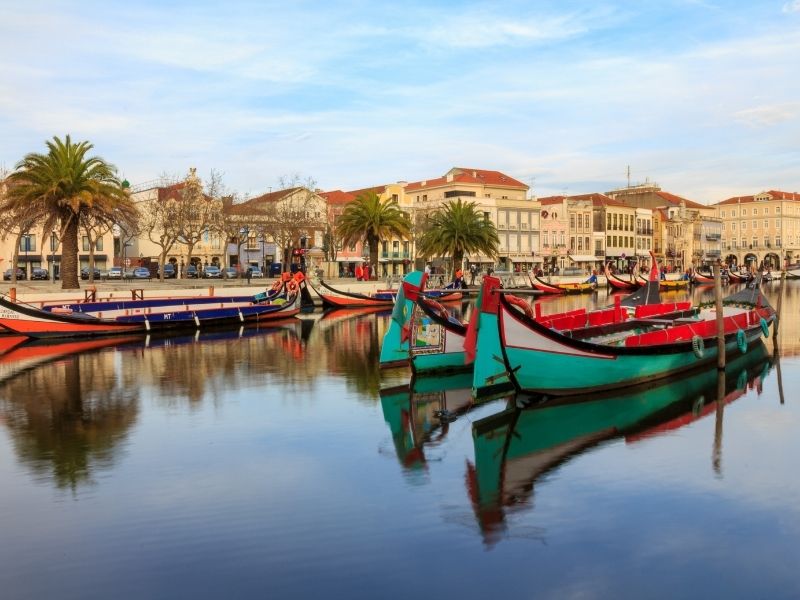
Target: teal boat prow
{"x":395,"y":349}
{"x":489,"y":375}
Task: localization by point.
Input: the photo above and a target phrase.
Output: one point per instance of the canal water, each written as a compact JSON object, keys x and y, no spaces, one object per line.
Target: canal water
{"x":281,"y":463}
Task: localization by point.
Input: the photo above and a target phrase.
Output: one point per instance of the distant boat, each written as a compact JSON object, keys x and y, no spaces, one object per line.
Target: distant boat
{"x":586,"y":287}
{"x":619,"y":283}
{"x":27,"y":320}
{"x":335,"y":298}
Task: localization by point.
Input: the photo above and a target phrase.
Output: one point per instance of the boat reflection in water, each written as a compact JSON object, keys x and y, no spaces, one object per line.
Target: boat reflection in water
{"x":419,"y":413}
{"x":518,"y":446}
{"x":68,"y":406}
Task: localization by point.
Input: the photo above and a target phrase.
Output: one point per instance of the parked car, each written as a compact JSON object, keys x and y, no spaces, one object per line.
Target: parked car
{"x":212,"y":271}
{"x":115,"y":273}
{"x":40,"y":274}
{"x":20,"y":275}
{"x":275,"y":269}
{"x":141,"y":273}
{"x":170,"y":272}
{"x":255,"y":271}
{"x":230,"y":273}
{"x":85,"y":273}
{"x":191,"y":272}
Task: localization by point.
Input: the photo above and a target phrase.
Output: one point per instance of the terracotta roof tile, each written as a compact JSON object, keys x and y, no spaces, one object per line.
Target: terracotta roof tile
{"x":676,"y":200}
{"x":338,"y":197}
{"x":776,"y":195}
{"x":469,"y":176}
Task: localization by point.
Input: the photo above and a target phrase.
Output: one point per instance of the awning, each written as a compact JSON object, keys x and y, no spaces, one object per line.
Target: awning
{"x":350,"y":260}
{"x":584,"y":257}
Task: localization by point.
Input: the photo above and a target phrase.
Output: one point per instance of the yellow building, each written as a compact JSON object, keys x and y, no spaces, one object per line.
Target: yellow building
{"x":760,"y":229}
{"x":496,"y":195}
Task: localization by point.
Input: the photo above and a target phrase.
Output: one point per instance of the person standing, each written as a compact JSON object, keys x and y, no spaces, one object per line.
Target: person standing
{"x":249,"y":274}
{"x":473,"y":271}
{"x":359,"y":272}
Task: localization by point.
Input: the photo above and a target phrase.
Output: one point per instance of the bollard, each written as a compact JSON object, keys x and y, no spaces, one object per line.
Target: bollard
{"x":12,"y":294}
{"x":211,"y":290}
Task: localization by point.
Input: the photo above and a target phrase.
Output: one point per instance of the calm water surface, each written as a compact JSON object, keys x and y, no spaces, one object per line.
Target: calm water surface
{"x":281,"y":463}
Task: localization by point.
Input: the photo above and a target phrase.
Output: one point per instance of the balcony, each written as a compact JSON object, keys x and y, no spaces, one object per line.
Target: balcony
{"x":713,"y":237}
{"x":599,"y":253}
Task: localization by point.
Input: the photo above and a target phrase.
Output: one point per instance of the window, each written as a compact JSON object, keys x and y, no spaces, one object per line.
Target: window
{"x":572,"y":243}
{"x":766,"y":241}
{"x":486,"y":216}
{"x":755,"y":211}
{"x":608,"y":222}
{"x":766,"y":223}
{"x":395,"y":198}
{"x":722,"y":214}
{"x":586,"y":243}
{"x":755,"y":224}
{"x":766,"y":210}
{"x":580,"y":244}
{"x":733,"y":226}
{"x":777,"y":210}
{"x":608,"y":241}
{"x":744,"y":225}
{"x":27,"y":243}
{"x":98,"y":245}
{"x":744,"y":212}
{"x":755,"y":242}
{"x":545,"y":239}
{"x":777,"y":241}
{"x":457,"y":193}
{"x":733,"y":213}
{"x":424,"y":197}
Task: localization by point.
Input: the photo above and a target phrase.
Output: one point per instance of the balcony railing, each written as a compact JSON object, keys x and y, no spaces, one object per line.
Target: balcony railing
{"x":713,"y":236}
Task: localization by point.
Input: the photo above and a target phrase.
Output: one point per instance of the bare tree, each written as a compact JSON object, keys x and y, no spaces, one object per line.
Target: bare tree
{"x":296,"y":214}
{"x":158,"y":218}
{"x":198,"y":211}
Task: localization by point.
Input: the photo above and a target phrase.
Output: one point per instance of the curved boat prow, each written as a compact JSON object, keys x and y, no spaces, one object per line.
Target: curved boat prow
{"x":489,"y":375}
{"x":395,"y":350}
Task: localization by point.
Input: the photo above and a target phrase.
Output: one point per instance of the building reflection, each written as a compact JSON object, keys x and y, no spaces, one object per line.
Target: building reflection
{"x":68,"y":406}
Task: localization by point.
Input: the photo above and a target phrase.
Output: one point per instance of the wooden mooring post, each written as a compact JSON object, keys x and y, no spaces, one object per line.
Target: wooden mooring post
{"x":720,"y":316}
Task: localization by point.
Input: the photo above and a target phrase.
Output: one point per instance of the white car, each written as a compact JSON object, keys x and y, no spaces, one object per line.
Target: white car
{"x":115,"y":273}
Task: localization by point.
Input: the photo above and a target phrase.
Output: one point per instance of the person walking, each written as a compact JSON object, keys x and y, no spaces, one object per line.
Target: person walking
{"x":249,"y":274}
{"x":473,"y":271}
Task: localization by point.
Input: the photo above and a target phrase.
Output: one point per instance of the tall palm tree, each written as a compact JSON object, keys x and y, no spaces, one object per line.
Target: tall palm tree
{"x":458,"y":228}
{"x":368,"y":218}
{"x":62,"y":187}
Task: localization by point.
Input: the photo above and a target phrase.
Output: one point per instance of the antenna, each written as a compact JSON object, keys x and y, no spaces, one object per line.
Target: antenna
{"x":629,"y":176}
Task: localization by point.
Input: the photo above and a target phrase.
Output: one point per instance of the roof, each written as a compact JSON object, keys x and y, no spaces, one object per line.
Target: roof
{"x":776,"y":195}
{"x":257,"y":204}
{"x":677,"y":200}
{"x":338,"y":197}
{"x":378,"y":189}
{"x":468,"y":176}
{"x":595,"y":198}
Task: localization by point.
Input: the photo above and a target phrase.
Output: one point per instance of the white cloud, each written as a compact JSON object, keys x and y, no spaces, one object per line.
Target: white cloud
{"x":791,"y":7}
{"x":766,"y":116}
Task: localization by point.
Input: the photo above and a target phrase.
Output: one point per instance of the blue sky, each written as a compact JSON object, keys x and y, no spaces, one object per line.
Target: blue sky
{"x":702,"y":97}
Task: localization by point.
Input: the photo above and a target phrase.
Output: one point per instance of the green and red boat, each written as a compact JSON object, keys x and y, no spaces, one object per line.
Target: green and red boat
{"x":615,"y":348}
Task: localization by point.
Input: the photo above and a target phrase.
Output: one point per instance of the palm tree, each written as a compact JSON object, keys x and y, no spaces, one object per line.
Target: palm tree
{"x":458,"y":228}
{"x":62,"y":187}
{"x":369,"y":218}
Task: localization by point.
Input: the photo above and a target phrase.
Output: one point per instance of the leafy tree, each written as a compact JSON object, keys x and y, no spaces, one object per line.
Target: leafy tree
{"x":370,"y":219}
{"x":458,"y":228}
{"x":61,"y":188}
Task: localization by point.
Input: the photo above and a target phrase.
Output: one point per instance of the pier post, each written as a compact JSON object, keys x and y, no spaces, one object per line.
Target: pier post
{"x":720,"y":316}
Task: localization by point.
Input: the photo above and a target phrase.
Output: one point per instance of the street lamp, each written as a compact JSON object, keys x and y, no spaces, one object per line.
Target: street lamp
{"x":125,"y":247}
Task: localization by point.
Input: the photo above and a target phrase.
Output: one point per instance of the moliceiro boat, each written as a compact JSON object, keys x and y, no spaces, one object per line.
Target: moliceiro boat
{"x":618,"y":283}
{"x":620,"y":351}
{"x":336,"y":298}
{"x":668,"y":285}
{"x":586,"y":287}
{"x":422,"y":332}
{"x":108,"y":319}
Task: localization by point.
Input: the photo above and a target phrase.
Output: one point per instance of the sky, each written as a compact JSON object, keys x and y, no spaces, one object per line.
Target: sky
{"x":701,"y":97}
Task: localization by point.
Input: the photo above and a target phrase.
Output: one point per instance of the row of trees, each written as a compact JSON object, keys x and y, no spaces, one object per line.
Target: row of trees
{"x":68,"y":190}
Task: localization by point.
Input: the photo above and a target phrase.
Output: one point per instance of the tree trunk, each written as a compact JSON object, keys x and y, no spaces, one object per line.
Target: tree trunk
{"x":458,"y":261}
{"x":162,"y":261}
{"x":373,"y":242}
{"x":91,"y":260}
{"x":69,"y":255}
{"x":189,"y":251}
{"x":15,"y":259}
